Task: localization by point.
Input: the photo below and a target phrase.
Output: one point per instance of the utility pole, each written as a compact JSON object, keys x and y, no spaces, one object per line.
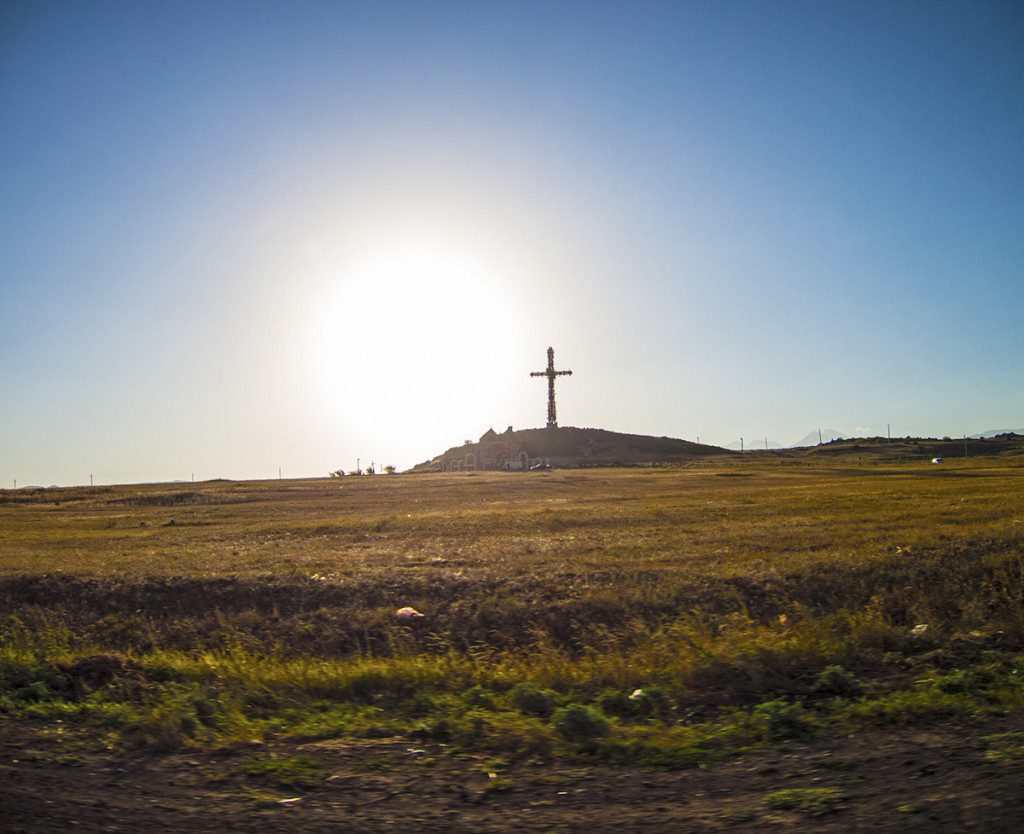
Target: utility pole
{"x":819,"y":437}
{"x":279,"y":473}
{"x":15,"y":483}
{"x":766,"y":444}
{"x":90,"y":479}
{"x":888,"y":432}
{"x":741,"y":444}
{"x":965,"y":445}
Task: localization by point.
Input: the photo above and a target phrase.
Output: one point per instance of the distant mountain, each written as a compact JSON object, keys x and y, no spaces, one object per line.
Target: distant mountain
{"x":995,"y":433}
{"x":811,"y":438}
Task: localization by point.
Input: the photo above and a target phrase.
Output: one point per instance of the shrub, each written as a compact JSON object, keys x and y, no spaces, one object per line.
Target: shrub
{"x":440,"y":729}
{"x":835,"y":680}
{"x":781,"y":720}
{"x":528,"y":699}
{"x":580,"y":724}
{"x":477,"y":696}
{"x":649,"y":701}
{"x":503,"y":732}
{"x":976,"y":681}
{"x":617,"y":703}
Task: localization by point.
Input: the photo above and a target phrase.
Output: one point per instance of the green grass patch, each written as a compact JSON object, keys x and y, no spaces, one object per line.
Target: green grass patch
{"x":814,"y":802}
{"x":1005,"y":748}
{"x":293,"y":772}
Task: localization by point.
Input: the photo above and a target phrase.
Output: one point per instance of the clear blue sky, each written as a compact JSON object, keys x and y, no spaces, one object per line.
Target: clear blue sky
{"x":238,"y":236}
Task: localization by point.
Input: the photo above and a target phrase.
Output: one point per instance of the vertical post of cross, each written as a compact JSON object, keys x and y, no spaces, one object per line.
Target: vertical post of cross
{"x":551,"y":373}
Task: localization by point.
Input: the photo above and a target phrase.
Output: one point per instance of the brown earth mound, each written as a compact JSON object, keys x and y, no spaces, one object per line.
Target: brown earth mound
{"x":570,"y":447}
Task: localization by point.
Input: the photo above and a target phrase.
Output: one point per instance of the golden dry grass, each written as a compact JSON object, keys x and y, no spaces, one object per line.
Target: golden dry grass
{"x":273,"y":602}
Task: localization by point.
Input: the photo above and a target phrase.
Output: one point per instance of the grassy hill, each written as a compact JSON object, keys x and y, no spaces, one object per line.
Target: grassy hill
{"x":571,"y":447}
{"x":574,"y":448}
{"x":905,"y":449}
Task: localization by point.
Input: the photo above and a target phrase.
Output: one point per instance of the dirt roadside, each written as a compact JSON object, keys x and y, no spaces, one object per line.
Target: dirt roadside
{"x":940,"y":778}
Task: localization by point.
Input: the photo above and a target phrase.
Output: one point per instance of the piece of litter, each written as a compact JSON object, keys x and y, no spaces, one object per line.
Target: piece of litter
{"x":637,"y":694}
{"x":408,"y":613}
{"x":415,"y":751}
{"x":290,"y":800}
{"x":919,"y":629}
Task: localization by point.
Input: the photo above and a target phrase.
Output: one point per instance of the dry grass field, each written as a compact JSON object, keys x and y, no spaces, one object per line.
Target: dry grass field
{"x":585,"y":633}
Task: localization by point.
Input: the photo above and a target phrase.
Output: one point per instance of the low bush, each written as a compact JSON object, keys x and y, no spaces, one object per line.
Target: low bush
{"x":580,"y":724}
{"x":780,"y":720}
{"x":835,"y":680}
{"x":650,"y":701}
{"x":528,"y":699}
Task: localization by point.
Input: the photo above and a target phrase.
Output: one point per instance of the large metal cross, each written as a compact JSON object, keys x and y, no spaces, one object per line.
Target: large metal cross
{"x":551,"y":373}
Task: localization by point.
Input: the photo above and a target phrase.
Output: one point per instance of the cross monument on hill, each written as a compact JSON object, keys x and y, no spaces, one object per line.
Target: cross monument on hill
{"x":551,"y":373}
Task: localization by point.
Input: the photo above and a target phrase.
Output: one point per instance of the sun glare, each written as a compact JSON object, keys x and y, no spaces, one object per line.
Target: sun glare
{"x":417,"y":332}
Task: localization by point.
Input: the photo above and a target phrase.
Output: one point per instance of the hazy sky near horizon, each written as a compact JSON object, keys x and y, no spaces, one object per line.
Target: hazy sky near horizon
{"x":237,"y":236}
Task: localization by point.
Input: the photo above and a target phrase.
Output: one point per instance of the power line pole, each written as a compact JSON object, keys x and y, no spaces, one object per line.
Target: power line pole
{"x":279,"y":473}
{"x":766,"y":444}
{"x":888,"y":432}
{"x":90,"y":479}
{"x":741,"y":444}
{"x":965,"y":445}
{"x":819,"y":437}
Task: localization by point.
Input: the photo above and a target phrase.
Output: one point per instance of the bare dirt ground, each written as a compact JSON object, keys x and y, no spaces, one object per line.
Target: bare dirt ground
{"x":936,"y":778}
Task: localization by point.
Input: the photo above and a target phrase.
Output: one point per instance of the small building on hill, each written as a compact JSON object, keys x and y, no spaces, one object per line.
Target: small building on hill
{"x":491,"y":452}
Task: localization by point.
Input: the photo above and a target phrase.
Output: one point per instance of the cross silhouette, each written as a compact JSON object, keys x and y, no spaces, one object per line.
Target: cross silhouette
{"x":551,"y":373}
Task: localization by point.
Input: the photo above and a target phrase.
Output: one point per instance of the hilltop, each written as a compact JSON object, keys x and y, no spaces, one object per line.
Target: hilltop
{"x":571,"y":447}
{"x":907,"y":448}
{"x":575,"y":447}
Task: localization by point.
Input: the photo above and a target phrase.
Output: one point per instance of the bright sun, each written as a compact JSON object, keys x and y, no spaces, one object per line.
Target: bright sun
{"x":414,"y":332}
